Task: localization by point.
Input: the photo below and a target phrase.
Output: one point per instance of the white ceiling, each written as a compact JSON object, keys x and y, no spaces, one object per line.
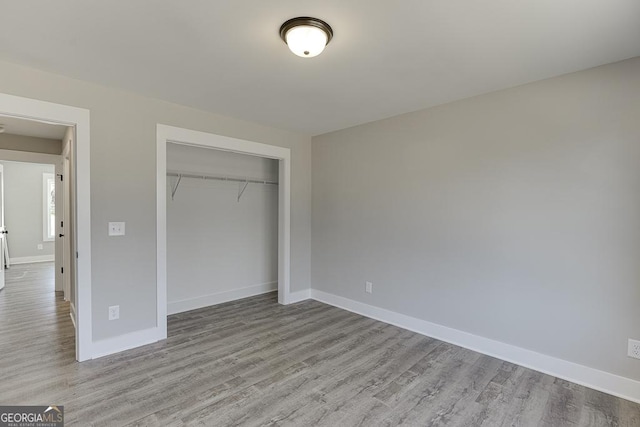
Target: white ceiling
{"x":24,"y":127}
{"x":386,"y":57}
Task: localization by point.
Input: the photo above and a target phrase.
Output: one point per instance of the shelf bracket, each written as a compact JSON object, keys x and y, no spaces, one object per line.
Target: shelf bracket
{"x":241,"y":191}
{"x":175,"y":187}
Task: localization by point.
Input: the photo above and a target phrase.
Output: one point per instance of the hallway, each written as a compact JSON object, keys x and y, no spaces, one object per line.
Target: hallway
{"x":36,"y":332}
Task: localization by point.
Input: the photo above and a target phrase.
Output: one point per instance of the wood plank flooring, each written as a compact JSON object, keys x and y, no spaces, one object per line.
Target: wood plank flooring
{"x":256,"y":363}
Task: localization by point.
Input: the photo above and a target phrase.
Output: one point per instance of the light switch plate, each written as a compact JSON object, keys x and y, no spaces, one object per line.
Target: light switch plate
{"x":116,"y":229}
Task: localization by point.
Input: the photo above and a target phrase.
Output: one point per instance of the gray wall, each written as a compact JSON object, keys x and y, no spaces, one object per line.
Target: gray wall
{"x":216,"y":244}
{"x":30,"y":143}
{"x":23,"y":209}
{"x":123,"y":187}
{"x":513,"y":215}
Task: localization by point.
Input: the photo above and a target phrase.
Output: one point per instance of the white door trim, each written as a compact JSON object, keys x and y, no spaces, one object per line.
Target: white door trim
{"x":33,"y":109}
{"x":209,"y":140}
{"x":66,"y":219}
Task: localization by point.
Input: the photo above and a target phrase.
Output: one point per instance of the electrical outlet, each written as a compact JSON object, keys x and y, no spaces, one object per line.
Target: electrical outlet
{"x":114,"y":312}
{"x":634,"y":349}
{"x":368,"y":287}
{"x":40,"y":246}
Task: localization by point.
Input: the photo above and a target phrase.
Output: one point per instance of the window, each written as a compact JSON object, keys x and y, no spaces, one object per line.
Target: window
{"x":49,"y":206}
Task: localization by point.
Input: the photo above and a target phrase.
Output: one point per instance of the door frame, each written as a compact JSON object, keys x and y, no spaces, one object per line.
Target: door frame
{"x":66,"y":219}
{"x":79,"y":119}
{"x":171,"y":134}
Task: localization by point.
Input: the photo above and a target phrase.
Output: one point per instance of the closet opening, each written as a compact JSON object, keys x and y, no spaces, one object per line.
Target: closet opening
{"x":223,"y":221}
{"x":222,"y":226}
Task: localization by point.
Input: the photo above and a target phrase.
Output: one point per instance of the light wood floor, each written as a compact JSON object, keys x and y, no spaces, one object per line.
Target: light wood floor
{"x":254,"y":362}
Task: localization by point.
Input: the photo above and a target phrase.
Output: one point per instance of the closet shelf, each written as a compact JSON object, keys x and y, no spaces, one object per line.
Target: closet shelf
{"x":221,"y":178}
{"x":245,"y":181}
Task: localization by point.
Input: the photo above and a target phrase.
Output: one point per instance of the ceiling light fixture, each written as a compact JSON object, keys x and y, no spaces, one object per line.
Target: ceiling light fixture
{"x":305,"y":36}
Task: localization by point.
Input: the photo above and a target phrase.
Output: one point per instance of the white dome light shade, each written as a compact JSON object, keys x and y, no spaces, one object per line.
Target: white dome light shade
{"x":306,"y":37}
{"x":306,"y":41}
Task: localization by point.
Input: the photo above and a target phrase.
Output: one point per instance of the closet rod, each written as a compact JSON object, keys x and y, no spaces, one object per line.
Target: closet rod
{"x":220,"y":178}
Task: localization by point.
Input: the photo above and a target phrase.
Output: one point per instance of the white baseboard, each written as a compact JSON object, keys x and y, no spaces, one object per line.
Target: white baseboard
{"x":219,"y":298}
{"x":298,"y":296}
{"x":125,"y":342}
{"x":616,"y":385}
{"x":72,"y":313}
{"x":32,"y":259}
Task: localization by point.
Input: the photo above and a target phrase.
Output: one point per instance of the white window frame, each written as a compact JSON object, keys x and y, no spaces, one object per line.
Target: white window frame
{"x":47,"y":180}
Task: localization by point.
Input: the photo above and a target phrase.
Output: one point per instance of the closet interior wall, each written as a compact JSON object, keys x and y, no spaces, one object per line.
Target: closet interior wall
{"x":219,"y":248}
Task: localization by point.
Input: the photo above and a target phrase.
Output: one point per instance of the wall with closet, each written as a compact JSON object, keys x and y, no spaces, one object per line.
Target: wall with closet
{"x":219,"y":248}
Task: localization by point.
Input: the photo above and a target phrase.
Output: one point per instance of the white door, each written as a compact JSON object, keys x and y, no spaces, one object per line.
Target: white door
{"x":65,"y":235}
{"x":3,"y":231}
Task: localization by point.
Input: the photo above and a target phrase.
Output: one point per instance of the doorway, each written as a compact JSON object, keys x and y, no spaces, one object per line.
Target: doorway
{"x":77,"y":119}
{"x":170,"y":134}
{"x":32,"y":200}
